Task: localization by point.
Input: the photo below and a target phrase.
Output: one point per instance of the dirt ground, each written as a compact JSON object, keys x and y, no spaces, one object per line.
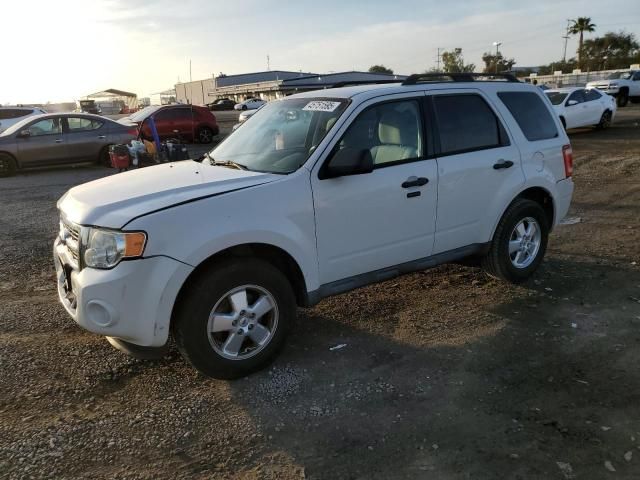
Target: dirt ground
{"x":445,"y":374}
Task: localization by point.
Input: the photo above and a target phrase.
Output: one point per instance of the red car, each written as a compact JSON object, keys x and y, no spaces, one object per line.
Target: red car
{"x":189,"y":123}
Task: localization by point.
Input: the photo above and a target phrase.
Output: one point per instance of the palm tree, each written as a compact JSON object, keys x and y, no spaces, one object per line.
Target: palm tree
{"x":581,"y":25}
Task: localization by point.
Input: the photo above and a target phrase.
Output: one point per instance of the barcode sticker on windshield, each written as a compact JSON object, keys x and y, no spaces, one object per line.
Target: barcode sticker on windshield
{"x":321,"y":106}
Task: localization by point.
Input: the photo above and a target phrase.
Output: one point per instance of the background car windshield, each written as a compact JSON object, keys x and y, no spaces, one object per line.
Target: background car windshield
{"x":282,"y":135}
{"x":556,"y":97}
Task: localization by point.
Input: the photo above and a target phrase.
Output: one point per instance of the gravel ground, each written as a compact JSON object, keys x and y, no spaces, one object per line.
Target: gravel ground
{"x":444,"y":374}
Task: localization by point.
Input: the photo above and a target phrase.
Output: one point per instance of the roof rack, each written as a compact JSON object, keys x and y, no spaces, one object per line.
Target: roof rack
{"x":347,"y":83}
{"x":459,"y":77}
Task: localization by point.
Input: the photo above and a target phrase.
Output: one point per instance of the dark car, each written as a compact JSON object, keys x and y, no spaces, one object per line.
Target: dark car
{"x":90,"y":106}
{"x":58,"y":138}
{"x":222,"y":104}
{"x":187,"y":122}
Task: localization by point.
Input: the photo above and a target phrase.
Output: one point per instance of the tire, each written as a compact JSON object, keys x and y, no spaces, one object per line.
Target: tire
{"x":499,"y":262}
{"x":622,"y":99}
{"x":244,"y":107}
{"x":205,"y":135}
{"x":634,"y":99}
{"x":7,"y":165}
{"x":209,"y":344}
{"x":103,"y":157}
{"x":605,"y":120}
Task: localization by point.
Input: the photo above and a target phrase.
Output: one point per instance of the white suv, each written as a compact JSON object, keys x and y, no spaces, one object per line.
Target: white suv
{"x":318,"y":194}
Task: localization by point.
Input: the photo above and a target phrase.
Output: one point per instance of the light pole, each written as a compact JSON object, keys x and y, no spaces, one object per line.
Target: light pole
{"x":497,"y":45}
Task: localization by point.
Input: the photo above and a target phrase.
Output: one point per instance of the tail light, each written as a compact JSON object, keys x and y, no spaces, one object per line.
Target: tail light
{"x":567,"y":155}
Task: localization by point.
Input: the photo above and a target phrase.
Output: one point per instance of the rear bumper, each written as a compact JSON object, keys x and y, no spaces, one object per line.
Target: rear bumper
{"x":132,"y":301}
{"x":564,"y":193}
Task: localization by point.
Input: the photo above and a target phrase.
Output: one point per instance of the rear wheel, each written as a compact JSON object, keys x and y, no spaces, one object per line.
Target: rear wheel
{"x":605,"y":120}
{"x":7,"y":165}
{"x":519,"y":243}
{"x":244,"y":107}
{"x":205,"y":135}
{"x":234,"y":318}
{"x":103,"y":157}
{"x":622,"y":99}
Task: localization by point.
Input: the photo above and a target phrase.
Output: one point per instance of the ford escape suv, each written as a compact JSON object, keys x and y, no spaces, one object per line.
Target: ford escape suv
{"x":318,"y":194}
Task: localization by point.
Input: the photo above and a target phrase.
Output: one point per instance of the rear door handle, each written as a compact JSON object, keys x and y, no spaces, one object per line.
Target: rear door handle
{"x":101,"y":137}
{"x":415,"y":182}
{"x":58,"y":140}
{"x":502,"y":164}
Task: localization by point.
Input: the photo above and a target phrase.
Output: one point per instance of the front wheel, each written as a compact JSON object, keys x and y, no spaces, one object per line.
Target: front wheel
{"x":605,"y":120}
{"x":519,"y":243}
{"x":622,"y":99}
{"x":7,"y":165}
{"x":234,"y":318}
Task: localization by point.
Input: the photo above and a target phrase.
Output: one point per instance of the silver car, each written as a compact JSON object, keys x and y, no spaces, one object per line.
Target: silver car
{"x":59,"y":138}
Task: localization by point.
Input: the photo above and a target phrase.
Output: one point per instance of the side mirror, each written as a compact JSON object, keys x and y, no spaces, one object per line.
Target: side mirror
{"x":349,"y":161}
{"x":571,"y":103}
{"x":24,"y":134}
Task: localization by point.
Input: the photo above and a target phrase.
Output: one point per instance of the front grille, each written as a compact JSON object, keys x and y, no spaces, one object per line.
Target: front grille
{"x":70,"y":237}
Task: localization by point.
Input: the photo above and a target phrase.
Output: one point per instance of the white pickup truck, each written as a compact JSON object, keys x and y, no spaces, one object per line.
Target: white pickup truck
{"x":320,"y":193}
{"x":624,"y":86}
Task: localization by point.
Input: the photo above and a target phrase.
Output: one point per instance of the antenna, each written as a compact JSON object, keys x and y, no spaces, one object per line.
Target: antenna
{"x":268,"y":63}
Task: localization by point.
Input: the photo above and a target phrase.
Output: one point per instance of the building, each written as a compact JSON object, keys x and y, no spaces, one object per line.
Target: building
{"x":268,"y":85}
{"x":113,"y":101}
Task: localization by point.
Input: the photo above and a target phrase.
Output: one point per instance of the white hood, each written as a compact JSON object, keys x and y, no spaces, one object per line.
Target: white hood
{"x":115,"y":200}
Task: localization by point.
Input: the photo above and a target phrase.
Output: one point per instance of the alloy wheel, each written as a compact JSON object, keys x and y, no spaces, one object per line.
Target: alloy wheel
{"x":524,"y":242}
{"x":242,"y":322}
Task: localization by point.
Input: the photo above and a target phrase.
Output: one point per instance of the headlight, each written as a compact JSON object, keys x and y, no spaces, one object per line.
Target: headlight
{"x":106,"y":248}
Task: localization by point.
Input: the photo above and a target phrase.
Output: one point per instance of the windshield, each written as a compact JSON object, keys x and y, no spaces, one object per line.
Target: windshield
{"x":144,"y":113}
{"x":556,"y":97}
{"x":16,"y":127}
{"x":281,"y":136}
{"x":620,"y":75}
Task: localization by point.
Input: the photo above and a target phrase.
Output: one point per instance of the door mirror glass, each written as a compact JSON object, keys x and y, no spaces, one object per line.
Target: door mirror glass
{"x":349,"y":161}
{"x":24,"y":134}
{"x":571,"y":103}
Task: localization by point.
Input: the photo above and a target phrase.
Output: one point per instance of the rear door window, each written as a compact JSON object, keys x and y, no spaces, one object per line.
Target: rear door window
{"x":79,"y":124}
{"x":531,"y":114}
{"x":466,"y":123}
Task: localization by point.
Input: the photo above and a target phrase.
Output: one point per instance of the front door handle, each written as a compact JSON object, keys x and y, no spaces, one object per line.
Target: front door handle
{"x":58,"y":140}
{"x":101,"y":137}
{"x":502,"y":164}
{"x":415,"y":182}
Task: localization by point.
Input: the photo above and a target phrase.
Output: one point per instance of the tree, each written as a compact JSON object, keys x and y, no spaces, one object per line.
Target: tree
{"x":611,"y":51}
{"x":454,"y":63}
{"x":581,"y":25}
{"x":380,"y":69}
{"x":565,"y":66}
{"x":497,"y":63}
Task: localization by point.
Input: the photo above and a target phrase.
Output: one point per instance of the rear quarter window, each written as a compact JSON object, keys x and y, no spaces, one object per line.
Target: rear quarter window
{"x":531,"y":114}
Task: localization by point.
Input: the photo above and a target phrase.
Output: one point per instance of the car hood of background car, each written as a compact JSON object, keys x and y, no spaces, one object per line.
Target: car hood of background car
{"x":115,"y":200}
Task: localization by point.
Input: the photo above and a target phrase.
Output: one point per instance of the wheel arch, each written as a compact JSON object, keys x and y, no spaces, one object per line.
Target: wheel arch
{"x":9,"y":154}
{"x":538,"y":194}
{"x":276,"y":256}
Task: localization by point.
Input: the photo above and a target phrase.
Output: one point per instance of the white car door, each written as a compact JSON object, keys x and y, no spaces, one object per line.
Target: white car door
{"x":577,"y":114}
{"x":479,"y":167}
{"x":597,"y":105}
{"x":384,"y":218}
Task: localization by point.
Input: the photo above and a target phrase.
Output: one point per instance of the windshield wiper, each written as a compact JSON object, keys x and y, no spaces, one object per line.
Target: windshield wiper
{"x":228,"y":163}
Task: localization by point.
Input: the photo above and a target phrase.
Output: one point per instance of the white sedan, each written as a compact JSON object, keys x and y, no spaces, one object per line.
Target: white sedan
{"x":250,"y":104}
{"x":583,"y":107}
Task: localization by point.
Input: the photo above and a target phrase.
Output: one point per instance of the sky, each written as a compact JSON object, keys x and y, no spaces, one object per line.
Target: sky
{"x":63,"y":50}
